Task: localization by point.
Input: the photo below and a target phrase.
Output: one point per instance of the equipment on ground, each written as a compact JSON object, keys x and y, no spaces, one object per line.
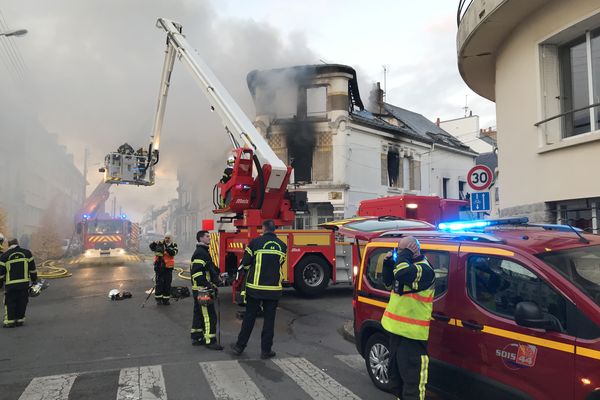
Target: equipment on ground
{"x":116,"y":294}
{"x":179,"y":292}
{"x":147,"y":297}
{"x":38,"y":287}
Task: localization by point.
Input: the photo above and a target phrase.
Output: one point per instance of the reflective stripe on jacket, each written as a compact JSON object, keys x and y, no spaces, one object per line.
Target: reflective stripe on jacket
{"x":17,"y":267}
{"x":263,"y":259}
{"x":408,"y":313}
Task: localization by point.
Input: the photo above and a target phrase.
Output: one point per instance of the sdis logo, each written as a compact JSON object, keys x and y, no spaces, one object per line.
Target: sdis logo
{"x":516,"y":356}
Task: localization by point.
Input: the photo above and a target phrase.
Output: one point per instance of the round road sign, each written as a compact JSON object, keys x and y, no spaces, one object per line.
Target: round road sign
{"x":480,"y":177}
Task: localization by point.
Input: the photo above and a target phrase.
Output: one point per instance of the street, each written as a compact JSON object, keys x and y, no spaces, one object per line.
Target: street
{"x":77,"y":344}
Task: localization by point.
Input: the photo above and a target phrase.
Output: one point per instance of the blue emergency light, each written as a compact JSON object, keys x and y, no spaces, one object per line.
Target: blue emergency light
{"x":479,"y":224}
{"x":123,"y":216}
{"x":86,"y":216}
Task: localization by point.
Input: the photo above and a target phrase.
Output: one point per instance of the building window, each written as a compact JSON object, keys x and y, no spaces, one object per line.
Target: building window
{"x":461,"y":190}
{"x":316,"y":102}
{"x":575,"y":92}
{"x":415,"y":174}
{"x":445,"y":182}
{"x":570,"y":71}
{"x":393,"y":167}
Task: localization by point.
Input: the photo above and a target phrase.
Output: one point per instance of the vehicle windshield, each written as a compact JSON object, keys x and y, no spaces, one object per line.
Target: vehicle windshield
{"x":104,"y":227}
{"x":373,"y":225}
{"x":580,"y":266}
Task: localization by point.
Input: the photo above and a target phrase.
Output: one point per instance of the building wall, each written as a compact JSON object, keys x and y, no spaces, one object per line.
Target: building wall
{"x":38,"y":174}
{"x":533,"y":170}
{"x":467,"y":131}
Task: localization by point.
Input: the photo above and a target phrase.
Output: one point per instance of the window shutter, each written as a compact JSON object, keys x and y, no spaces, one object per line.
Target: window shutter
{"x":550,"y":92}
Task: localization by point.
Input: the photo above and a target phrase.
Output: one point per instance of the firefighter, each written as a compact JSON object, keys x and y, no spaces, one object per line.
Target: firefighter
{"x":263,"y":260}
{"x":205,"y":279}
{"x":225,"y":199}
{"x":164,"y":261}
{"x":411,"y":280}
{"x":1,"y":251}
{"x":229,"y":170}
{"x":17,"y":269}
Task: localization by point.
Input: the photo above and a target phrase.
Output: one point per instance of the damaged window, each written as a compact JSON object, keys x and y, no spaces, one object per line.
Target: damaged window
{"x":316,"y":102}
{"x":301,"y":140}
{"x":393,"y":167}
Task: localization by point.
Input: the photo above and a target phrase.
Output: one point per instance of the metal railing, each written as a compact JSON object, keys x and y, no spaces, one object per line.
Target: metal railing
{"x":563,"y":114}
{"x":463,"y":6}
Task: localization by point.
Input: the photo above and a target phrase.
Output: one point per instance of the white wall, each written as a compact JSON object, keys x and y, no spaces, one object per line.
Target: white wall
{"x":467,"y":131}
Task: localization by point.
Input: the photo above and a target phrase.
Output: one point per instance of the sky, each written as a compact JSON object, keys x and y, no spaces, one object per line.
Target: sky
{"x":92,"y":70}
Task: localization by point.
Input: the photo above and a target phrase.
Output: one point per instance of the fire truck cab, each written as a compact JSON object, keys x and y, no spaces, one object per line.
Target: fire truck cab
{"x":516,"y":313}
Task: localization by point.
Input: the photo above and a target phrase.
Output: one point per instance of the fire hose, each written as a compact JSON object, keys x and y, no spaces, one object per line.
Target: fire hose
{"x":50,"y":269}
{"x":181,"y":274}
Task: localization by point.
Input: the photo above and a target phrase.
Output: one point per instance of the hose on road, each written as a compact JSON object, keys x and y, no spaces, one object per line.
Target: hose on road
{"x":181,"y":274}
{"x":51,"y":269}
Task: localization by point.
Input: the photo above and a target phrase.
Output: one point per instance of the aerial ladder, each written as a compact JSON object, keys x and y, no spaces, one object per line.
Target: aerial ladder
{"x":257,"y":189}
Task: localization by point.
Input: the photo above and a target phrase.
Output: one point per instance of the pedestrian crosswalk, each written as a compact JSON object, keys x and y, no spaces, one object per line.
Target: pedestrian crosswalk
{"x":286,"y":378}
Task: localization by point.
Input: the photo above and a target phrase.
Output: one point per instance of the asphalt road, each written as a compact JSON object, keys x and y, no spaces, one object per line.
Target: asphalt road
{"x":77,"y":344}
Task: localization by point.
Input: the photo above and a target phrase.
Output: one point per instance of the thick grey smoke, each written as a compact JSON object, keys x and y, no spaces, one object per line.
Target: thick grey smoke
{"x":93,"y":77}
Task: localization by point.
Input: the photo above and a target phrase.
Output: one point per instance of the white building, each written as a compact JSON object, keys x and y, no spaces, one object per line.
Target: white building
{"x":467,"y":130}
{"x":540,"y":62}
{"x":314,"y":119}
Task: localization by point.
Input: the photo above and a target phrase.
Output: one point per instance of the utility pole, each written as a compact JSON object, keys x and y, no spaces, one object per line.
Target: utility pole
{"x":86,"y":153}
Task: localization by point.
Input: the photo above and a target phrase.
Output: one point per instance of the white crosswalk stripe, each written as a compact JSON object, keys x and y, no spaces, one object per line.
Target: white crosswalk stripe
{"x":55,"y":387}
{"x":316,"y":383}
{"x":354,"y":361}
{"x":142,"y":383}
{"x":229,"y":381}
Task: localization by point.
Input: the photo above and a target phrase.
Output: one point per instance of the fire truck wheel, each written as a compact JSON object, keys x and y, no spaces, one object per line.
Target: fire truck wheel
{"x":377,"y":359}
{"x":311,"y":275}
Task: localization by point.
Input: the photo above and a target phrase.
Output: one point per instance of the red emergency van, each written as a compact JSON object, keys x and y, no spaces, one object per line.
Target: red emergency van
{"x":516,"y":312}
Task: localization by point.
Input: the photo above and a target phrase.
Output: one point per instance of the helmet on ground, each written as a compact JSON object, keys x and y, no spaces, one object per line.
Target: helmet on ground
{"x":35,"y":290}
{"x":231,"y":161}
{"x":1,"y":238}
{"x":113,"y":294}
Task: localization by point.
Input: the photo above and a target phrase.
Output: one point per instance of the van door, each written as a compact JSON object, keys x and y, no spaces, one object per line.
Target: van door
{"x":503,"y":359}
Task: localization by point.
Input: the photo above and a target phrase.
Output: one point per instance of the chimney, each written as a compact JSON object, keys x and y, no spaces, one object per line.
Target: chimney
{"x":437,"y":122}
{"x":379,"y":97}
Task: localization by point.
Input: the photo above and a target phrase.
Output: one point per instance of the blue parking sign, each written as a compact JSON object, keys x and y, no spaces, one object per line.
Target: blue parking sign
{"x":480,"y":201}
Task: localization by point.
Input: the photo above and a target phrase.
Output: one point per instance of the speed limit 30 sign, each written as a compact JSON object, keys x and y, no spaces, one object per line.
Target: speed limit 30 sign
{"x":480,"y":177}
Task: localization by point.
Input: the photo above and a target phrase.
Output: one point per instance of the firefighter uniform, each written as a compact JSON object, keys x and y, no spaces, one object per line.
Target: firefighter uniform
{"x":263,"y":260}
{"x":205,"y":277}
{"x":164,"y":262}
{"x":17,"y":270}
{"x":406,"y":318}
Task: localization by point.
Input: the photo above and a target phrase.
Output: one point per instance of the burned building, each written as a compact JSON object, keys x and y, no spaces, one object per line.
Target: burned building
{"x":314,"y":119}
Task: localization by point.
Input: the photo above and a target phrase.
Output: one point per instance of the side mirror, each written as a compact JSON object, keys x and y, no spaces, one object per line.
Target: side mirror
{"x":530,"y":315}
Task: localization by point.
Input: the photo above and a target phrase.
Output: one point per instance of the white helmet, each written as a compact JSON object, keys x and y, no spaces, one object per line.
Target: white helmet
{"x":231,"y":161}
{"x":1,"y":238}
{"x":113,"y":294}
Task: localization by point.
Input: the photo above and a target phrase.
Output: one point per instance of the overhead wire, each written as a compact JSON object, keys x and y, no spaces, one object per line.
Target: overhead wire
{"x":14,"y":47}
{"x":11,"y":52}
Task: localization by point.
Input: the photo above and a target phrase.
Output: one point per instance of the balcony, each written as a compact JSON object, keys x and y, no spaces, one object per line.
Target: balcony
{"x":483,"y":25}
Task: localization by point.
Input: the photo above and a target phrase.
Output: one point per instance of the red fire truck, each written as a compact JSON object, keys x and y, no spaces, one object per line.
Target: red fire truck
{"x":99,"y":233}
{"x":432,"y":209}
{"x":256,"y":190}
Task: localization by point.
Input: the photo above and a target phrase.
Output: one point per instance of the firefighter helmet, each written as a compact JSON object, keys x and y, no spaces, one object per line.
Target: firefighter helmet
{"x":113,"y":294}
{"x":1,"y":239}
{"x":230,"y":161}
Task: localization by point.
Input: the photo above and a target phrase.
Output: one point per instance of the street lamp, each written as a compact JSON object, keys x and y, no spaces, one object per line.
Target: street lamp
{"x":14,"y":32}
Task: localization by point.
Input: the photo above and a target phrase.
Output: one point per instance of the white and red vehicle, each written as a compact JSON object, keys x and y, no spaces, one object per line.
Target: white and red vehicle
{"x":101,"y":234}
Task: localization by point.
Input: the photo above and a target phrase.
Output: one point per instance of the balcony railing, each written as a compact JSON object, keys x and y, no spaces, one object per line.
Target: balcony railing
{"x":463,"y":6}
